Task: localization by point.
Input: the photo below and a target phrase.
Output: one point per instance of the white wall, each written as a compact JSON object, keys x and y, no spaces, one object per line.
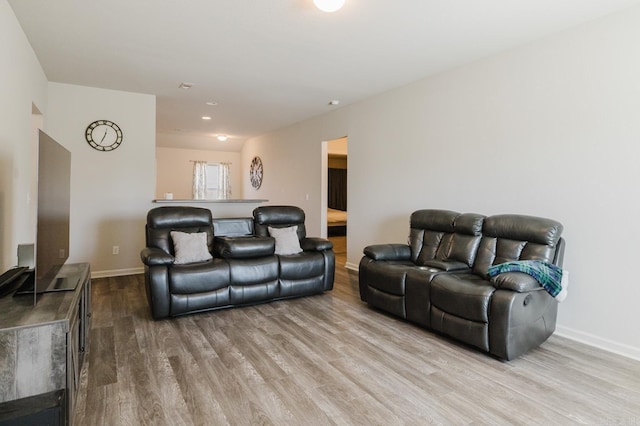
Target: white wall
{"x":22,"y":84}
{"x":174,"y":169}
{"x":295,"y":166}
{"x":549,"y":129}
{"x":111,"y":192}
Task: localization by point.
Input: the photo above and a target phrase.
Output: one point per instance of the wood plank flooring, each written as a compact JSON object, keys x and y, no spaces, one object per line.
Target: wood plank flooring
{"x":325,"y":360}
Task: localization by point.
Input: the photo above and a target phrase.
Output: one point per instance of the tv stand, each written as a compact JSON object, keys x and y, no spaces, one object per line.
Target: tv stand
{"x":55,"y":335}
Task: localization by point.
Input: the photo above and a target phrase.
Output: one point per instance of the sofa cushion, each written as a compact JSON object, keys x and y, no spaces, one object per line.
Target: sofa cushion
{"x":301,"y":265}
{"x":463,"y":295}
{"x":524,"y":228}
{"x":190,"y":247}
{"x":287,"y":241}
{"x":427,"y":228}
{"x":425,"y":245}
{"x":510,"y":237}
{"x":162,"y":220}
{"x":252,"y":271}
{"x":462,"y":248}
{"x":199,"y":277}
{"x":444,"y":235}
{"x":278,"y":217}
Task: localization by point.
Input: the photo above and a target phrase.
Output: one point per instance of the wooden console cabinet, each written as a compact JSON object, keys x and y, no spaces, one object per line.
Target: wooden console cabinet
{"x":42,"y":347}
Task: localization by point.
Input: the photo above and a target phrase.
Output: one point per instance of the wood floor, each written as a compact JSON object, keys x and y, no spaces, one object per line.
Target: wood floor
{"x":329,"y":359}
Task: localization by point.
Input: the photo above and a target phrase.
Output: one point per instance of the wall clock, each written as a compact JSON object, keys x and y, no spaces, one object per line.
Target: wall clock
{"x":255,"y":172}
{"x":103,"y":135}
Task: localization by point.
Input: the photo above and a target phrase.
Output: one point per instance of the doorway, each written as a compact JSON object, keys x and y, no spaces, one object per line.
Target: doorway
{"x":336,"y":196}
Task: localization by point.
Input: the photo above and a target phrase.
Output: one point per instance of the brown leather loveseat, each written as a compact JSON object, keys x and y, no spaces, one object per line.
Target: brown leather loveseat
{"x":440,"y":280}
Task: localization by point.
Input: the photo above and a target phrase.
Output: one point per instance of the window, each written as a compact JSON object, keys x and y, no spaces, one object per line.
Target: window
{"x":213,"y":181}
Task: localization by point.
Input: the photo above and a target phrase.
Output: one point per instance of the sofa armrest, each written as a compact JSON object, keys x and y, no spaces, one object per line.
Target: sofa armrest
{"x":243,"y":247}
{"x":156,"y":282}
{"x":154,"y":256}
{"x":447,"y":265}
{"x":388,"y":252}
{"x":516,"y":281}
{"x":315,"y":244}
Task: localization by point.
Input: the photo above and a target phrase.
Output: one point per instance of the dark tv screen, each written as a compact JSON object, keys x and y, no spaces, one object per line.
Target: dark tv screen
{"x":53,"y":210}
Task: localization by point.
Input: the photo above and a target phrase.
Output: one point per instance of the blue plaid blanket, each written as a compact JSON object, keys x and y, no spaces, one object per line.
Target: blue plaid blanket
{"x":550,"y":276}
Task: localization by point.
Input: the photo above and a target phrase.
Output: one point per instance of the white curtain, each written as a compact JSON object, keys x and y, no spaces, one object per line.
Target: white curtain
{"x":199,"y":180}
{"x":225,"y":185}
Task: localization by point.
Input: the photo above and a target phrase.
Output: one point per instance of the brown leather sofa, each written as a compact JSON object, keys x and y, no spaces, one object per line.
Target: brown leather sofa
{"x":439,"y":279}
{"x":244,"y":268}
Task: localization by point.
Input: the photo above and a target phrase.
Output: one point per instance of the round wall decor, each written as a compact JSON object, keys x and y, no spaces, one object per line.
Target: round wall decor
{"x":255,"y":172}
{"x":103,"y":135}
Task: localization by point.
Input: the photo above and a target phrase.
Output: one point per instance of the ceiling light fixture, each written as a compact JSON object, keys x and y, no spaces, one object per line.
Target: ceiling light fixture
{"x":334,"y":102}
{"x":329,"y":5}
{"x":184,"y":85}
{"x":211,"y":103}
{"x":222,"y":138}
{"x":206,"y":118}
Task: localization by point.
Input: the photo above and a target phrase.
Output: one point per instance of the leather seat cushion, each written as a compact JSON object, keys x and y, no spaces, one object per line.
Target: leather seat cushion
{"x":465,"y":295}
{"x":199,"y":277}
{"x":301,"y":265}
{"x":253,"y":271}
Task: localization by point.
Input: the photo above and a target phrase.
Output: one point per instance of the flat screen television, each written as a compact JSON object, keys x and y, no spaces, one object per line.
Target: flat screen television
{"x":53,"y":211}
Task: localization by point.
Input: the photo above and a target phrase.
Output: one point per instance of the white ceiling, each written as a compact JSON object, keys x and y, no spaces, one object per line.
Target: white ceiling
{"x":272,"y":63}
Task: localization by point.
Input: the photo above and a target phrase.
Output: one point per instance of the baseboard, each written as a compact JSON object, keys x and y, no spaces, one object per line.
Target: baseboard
{"x":599,"y":342}
{"x":117,"y":272}
{"x":351,"y":266}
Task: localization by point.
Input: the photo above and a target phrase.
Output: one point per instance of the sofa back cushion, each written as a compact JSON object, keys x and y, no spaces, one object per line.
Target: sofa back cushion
{"x":427,"y":228}
{"x":462,"y":245}
{"x":510,"y":237}
{"x":162,"y":220}
{"x":444,"y":235}
{"x":278,"y":217}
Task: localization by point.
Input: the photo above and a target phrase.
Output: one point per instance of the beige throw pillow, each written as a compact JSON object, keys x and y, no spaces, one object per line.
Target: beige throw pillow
{"x":287,"y":241}
{"x":190,"y":248}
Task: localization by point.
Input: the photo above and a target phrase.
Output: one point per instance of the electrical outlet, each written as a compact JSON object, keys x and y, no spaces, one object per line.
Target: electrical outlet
{"x":116,"y":250}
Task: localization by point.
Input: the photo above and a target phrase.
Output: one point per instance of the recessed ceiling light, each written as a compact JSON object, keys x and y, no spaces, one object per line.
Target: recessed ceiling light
{"x":334,"y":102}
{"x":206,"y":118}
{"x":212,"y":103}
{"x":184,"y":85}
{"x":328,"y":5}
{"x":222,"y":138}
